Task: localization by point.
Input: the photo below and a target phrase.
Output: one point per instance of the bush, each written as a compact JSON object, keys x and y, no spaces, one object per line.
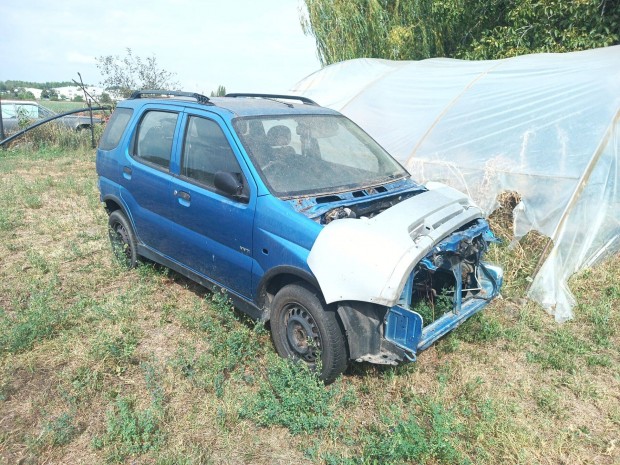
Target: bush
{"x":54,"y":135}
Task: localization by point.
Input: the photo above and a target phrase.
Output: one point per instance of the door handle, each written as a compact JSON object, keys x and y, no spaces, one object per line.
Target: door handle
{"x":126,"y":169}
{"x":182,"y":195}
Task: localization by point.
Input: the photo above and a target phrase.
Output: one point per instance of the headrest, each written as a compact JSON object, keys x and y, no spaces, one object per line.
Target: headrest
{"x":279,"y":135}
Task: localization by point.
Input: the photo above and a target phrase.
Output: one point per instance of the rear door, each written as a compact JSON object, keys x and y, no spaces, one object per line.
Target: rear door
{"x":146,"y":177}
{"x":214,"y":235}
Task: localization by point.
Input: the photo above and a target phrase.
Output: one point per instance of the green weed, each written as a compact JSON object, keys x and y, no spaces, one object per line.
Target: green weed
{"x":448,"y":344}
{"x":230,"y":339}
{"x":134,"y":431}
{"x":406,"y":437}
{"x":561,"y":350}
{"x":480,"y":328}
{"x":431,"y":310}
{"x":118,"y":347}
{"x":41,"y":318}
{"x":72,"y":319}
{"x":605,"y":323}
{"x":38,"y":261}
{"x":9,"y":219}
{"x":292,"y":396}
{"x":49,"y":137}
{"x":549,"y":401}
{"x":33,"y":201}
{"x":60,"y":431}
{"x":130,"y":431}
{"x":84,"y":381}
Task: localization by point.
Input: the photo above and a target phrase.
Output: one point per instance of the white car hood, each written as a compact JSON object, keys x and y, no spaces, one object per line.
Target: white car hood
{"x":370,"y":259}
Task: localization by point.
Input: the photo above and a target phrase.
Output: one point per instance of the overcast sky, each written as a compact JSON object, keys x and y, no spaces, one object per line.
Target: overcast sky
{"x":245,"y":45}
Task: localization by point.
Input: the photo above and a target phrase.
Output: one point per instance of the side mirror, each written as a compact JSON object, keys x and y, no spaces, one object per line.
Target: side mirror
{"x":229,"y":184}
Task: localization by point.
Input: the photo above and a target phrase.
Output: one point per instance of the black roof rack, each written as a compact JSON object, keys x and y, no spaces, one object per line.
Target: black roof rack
{"x":174,"y":93}
{"x":304,"y":100}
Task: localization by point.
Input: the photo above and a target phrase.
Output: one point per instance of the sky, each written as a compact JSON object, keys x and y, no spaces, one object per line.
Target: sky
{"x":244,"y":45}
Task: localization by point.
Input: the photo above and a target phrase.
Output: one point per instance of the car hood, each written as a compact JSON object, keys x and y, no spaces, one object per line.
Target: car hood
{"x":370,"y":259}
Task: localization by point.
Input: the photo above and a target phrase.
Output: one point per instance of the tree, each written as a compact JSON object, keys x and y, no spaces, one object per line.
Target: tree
{"x":21,"y":94}
{"x":131,"y":72}
{"x":50,"y":94}
{"x":220,"y":92}
{"x":478,"y":29}
{"x":536,"y":26}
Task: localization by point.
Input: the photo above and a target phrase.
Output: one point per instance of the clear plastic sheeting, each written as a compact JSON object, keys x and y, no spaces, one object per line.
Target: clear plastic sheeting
{"x":546,"y":126}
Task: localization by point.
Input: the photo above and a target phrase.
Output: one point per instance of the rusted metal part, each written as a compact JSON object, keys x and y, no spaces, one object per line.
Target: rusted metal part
{"x":47,"y":120}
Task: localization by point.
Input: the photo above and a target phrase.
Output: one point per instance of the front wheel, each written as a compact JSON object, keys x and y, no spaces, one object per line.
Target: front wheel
{"x":123,"y":239}
{"x":304,"y":328}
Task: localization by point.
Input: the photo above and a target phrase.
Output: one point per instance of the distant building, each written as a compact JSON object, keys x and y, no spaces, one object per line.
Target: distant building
{"x":70,"y":92}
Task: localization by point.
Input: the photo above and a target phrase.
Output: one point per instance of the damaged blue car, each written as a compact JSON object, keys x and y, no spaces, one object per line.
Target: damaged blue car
{"x":301,"y":217}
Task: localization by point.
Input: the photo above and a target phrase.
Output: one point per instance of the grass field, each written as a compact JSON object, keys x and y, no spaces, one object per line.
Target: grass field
{"x":103,"y":365}
{"x":61,"y":106}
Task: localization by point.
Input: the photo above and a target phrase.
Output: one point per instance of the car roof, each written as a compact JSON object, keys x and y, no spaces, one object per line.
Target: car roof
{"x":236,"y":106}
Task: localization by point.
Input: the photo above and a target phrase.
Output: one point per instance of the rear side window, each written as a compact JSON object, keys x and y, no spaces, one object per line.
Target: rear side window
{"x":154,"y":137}
{"x":115,"y":128}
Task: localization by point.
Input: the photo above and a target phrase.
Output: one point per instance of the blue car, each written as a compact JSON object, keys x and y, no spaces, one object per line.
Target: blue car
{"x":301,"y":217}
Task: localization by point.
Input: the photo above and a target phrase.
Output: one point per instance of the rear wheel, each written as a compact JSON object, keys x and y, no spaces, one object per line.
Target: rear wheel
{"x":123,"y":239}
{"x":304,"y":328}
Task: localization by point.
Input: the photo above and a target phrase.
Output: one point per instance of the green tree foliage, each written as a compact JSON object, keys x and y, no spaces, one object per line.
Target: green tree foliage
{"x":220,"y":92}
{"x":131,"y":72}
{"x":475,"y":29}
{"x":12,"y":84}
{"x":51,"y":94}
{"x":18,"y":93}
{"x":533,"y":26}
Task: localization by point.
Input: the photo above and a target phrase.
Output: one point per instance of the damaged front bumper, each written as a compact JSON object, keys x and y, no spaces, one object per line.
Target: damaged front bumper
{"x":407,"y":276}
{"x":405,"y":328}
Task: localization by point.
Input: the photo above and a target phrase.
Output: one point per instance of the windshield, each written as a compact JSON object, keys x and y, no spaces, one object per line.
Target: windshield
{"x":299,"y":155}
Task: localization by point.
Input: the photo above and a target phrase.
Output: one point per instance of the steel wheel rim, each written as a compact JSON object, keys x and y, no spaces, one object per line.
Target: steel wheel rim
{"x":120,"y":242}
{"x":302,"y":333}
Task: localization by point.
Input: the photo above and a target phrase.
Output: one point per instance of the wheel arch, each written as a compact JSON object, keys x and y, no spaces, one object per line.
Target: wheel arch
{"x":112,"y":203}
{"x":278,"y":277}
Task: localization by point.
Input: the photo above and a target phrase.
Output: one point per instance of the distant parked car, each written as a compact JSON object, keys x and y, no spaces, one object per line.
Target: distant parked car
{"x":14,"y":111}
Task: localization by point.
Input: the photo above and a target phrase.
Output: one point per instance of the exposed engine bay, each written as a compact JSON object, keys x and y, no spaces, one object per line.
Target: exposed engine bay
{"x":364,"y":209}
{"x":408,"y":270}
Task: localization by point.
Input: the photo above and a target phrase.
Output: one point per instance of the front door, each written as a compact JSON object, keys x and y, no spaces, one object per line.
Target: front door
{"x":214,"y":230}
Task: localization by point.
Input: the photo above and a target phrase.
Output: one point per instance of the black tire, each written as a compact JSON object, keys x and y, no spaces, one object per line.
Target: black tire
{"x":302,"y":326}
{"x":123,"y":239}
